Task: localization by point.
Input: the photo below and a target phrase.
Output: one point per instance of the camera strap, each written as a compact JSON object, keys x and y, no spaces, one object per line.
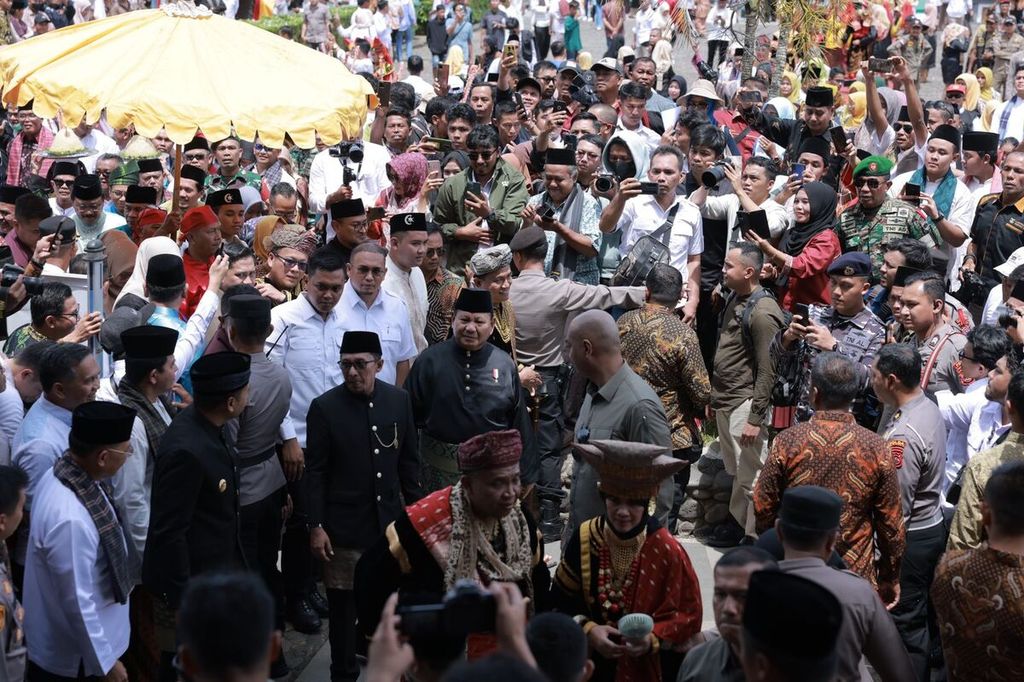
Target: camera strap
{"x":666,"y":227}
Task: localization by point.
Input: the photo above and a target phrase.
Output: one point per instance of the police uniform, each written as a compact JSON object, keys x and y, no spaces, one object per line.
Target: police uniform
{"x":12,"y":637}
{"x":946,"y":372}
{"x":997,"y":232}
{"x":867,"y":628}
{"x":916,"y":436}
{"x":362,"y":460}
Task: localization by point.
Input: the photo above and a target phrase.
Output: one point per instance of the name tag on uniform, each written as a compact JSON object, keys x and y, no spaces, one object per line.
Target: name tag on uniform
{"x":858,"y":339}
{"x":1015,"y":225}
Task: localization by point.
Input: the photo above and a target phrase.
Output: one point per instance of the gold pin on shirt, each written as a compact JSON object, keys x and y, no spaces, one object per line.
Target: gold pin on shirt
{"x":223,"y":485}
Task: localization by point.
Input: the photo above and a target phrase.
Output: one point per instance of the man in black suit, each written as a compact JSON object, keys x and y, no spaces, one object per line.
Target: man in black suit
{"x":194,"y":522}
{"x":362,"y":460}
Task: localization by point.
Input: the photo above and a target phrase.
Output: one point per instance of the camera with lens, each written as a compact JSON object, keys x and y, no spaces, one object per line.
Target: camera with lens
{"x":714,"y":175}
{"x":707,"y":72}
{"x":604,"y":183}
{"x":353,"y":151}
{"x":467,"y":608}
{"x":9,"y":274}
{"x":972,"y":288}
{"x":1008,"y":317}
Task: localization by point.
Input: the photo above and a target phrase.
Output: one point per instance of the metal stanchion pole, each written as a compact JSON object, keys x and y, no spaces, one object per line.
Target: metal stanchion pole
{"x":95,"y":255}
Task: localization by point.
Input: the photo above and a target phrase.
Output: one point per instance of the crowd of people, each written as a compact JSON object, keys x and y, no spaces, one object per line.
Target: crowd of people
{"x":439,"y":388}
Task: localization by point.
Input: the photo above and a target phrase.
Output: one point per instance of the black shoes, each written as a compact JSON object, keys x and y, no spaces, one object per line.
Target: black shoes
{"x":303,"y":617}
{"x":726,"y":535}
{"x":279,"y":669}
{"x":319,"y":603}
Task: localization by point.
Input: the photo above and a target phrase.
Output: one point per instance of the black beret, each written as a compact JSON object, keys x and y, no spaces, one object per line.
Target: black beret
{"x":137,"y":194}
{"x":192,"y":173}
{"x":165,"y":270}
{"x":818,"y":96}
{"x":852,"y":264}
{"x":58,"y":223}
{"x":346,"y":208}
{"x":811,"y":507}
{"x":101,"y":423}
{"x":11,"y":193}
{"x":223,"y":197}
{"x":148,"y":341}
{"x":474,"y":301}
{"x":220,"y":373}
{"x":793,"y":618}
{"x":360,"y":342}
{"x":87,"y":187}
{"x":251,"y":307}
{"x":528,"y":238}
{"x":408,"y":222}
{"x":561,"y":156}
{"x":150,"y":166}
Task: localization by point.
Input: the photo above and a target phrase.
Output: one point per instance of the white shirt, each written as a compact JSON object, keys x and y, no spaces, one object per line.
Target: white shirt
{"x":326,"y":175}
{"x":388,"y":318}
{"x":728,"y":205}
{"x":652,"y":138}
{"x":644,"y":19}
{"x":1015,"y":123}
{"x":68,"y":212}
{"x":308,"y":347}
{"x":973,"y":424}
{"x":133,"y":483}
{"x":411,"y":288}
{"x":71,"y":615}
{"x":961,"y":214}
{"x":990,"y":313}
{"x":643,"y":215}
{"x":99,"y":142}
{"x":718,"y":22}
{"x":422,"y":88}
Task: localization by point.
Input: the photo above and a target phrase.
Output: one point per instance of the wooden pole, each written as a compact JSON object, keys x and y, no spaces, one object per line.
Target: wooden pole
{"x":177,"y":178}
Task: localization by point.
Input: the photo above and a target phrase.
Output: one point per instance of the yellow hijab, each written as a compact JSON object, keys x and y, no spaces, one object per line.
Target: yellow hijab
{"x":986,"y":93}
{"x":794,"y":81}
{"x":969,"y":81}
{"x":455,"y":60}
{"x":856,"y":111}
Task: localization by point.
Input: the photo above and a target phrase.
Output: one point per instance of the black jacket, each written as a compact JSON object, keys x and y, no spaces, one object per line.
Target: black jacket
{"x":362,"y":458}
{"x":193,"y":523}
{"x":437,"y":37}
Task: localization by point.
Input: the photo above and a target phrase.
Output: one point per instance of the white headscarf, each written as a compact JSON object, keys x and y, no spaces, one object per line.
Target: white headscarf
{"x":147,"y":249}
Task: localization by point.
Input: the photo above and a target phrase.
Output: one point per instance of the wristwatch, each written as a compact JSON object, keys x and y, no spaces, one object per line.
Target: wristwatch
{"x":939,"y":218}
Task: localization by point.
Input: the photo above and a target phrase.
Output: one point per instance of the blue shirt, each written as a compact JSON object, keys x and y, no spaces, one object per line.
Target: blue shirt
{"x":41,"y":439}
{"x":171,"y":319}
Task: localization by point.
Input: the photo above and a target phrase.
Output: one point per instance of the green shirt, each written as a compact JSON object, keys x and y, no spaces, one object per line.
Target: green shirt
{"x":215,"y":183}
{"x":966,"y":532}
{"x":893,"y":220}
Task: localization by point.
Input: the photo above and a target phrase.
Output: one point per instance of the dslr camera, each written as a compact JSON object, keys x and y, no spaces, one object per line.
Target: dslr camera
{"x":1008,"y":317}
{"x":10,"y":273}
{"x":604,"y":183}
{"x":714,"y":175}
{"x":465,"y":609}
{"x":353,"y":151}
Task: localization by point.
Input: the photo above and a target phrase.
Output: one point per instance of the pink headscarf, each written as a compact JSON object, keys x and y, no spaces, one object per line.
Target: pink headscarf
{"x":409,"y":172}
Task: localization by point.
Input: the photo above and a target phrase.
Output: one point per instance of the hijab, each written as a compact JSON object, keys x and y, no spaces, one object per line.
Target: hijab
{"x":147,"y":249}
{"x":681,"y":82}
{"x":409,"y":172}
{"x":794,"y":81}
{"x":264,"y":227}
{"x":783,"y":108}
{"x":120,"y":253}
{"x":970,"y":81}
{"x":856,"y":111}
{"x":986,"y":93}
{"x":459,"y":157}
{"x":823,"y":200}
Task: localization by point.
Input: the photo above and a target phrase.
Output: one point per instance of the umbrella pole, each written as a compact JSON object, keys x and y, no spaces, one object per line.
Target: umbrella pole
{"x":177,"y":180}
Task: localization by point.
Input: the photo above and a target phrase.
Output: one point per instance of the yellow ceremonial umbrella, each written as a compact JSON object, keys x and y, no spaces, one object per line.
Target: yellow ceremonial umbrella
{"x":183,"y":68}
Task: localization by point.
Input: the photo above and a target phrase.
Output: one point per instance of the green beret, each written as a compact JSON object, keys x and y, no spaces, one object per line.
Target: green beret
{"x":876,"y":166}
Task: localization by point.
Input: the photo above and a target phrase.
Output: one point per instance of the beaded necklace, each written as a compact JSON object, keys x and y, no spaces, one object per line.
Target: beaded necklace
{"x":616,"y":574}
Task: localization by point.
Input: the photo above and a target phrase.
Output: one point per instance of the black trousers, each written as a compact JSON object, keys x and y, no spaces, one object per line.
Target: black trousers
{"x":549,"y":435}
{"x":296,"y":557}
{"x":541,"y":41}
{"x":342,"y":635}
{"x":261,"y":541}
{"x":924,"y":547}
{"x":707,"y":329}
{"x":33,"y":673}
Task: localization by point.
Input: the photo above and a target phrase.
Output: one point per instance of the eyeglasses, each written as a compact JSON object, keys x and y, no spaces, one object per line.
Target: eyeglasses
{"x":965,"y":356}
{"x":195,"y":157}
{"x":480,"y":156}
{"x":127,"y":453}
{"x":290,"y":263}
{"x":435,"y":252}
{"x":905,"y":127}
{"x":63,"y":183}
{"x":358,"y":365}
{"x":72,"y":316}
{"x":364,"y":271}
{"x":872,"y":183}
{"x":694,"y":102}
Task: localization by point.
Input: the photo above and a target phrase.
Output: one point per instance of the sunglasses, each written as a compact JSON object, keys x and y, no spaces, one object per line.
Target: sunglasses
{"x":290,"y":264}
{"x":260,"y":148}
{"x":872,"y":183}
{"x":435,"y":252}
{"x":955,"y":95}
{"x":195,"y":157}
{"x":63,"y":183}
{"x":905,"y":127}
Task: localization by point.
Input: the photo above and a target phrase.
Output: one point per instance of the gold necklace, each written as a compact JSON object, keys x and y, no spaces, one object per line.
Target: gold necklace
{"x":504,"y":322}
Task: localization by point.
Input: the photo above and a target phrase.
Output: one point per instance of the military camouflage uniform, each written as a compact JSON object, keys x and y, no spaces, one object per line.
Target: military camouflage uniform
{"x":215,"y":183}
{"x":858,"y":338}
{"x":894,"y":220}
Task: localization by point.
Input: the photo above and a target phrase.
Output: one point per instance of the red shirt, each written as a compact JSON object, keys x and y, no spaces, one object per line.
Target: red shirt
{"x":197,"y":279}
{"x":808,"y":279}
{"x":736,"y":125}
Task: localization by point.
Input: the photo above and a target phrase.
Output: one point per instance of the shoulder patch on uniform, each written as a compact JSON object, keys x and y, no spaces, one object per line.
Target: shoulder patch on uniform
{"x":988,"y":198}
{"x":896,"y":450}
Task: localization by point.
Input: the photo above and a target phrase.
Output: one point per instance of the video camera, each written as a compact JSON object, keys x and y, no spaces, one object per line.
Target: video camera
{"x":465,"y":609}
{"x":351,"y":151}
